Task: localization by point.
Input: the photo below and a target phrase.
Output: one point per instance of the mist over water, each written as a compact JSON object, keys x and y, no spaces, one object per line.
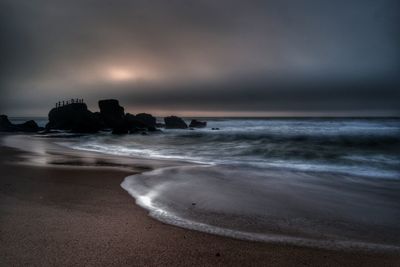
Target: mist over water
{"x":317,"y":181}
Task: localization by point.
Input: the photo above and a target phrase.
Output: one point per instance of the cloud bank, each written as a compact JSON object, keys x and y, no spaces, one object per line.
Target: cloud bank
{"x":202,"y":56}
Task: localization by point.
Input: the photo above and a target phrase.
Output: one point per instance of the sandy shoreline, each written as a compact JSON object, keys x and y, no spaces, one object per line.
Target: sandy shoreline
{"x":74,"y":215}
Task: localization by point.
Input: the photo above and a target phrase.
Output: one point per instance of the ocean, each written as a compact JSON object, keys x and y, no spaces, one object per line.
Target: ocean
{"x":363,"y":147}
{"x":327,"y":182}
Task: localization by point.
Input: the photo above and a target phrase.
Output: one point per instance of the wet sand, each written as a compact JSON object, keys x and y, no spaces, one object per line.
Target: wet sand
{"x":75,"y":215}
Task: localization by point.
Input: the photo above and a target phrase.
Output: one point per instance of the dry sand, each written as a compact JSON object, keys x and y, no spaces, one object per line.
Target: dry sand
{"x":66,"y":216}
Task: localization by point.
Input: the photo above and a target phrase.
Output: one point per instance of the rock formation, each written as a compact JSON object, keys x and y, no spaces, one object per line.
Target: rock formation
{"x":146,"y":119}
{"x":197,"y":124}
{"x":5,"y":124}
{"x":29,"y":126}
{"x":111,"y":113}
{"x":140,"y":121}
{"x":173,"y":122}
{"x":121,"y":129}
{"x":74,"y":117}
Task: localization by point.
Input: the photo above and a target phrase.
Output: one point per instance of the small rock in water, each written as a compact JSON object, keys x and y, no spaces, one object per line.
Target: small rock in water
{"x":217,"y":255}
{"x":197,"y":124}
{"x":193,"y":204}
{"x":173,"y":122}
{"x":214,"y":129}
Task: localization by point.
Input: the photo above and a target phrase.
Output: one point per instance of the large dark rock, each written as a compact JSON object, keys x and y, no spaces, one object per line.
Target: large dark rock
{"x":141,"y":121}
{"x":7,"y":126}
{"x":29,"y":126}
{"x":173,"y":122}
{"x":99,"y":118}
{"x":74,"y":117}
{"x":120,"y":129}
{"x":197,"y":124}
{"x":111,"y":112}
{"x":146,"y":119}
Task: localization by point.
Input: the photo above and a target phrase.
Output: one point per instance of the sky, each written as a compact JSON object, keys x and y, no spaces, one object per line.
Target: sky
{"x":203,"y":57}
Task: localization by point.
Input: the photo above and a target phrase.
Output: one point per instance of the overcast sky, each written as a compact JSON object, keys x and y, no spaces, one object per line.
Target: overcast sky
{"x":298,"y":57}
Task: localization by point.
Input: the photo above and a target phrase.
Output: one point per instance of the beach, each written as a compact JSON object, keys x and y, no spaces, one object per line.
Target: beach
{"x":74,"y":212}
{"x":199,"y":133}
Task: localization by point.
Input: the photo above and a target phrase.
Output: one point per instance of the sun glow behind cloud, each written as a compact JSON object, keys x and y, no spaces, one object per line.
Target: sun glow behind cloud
{"x":126,"y":73}
{"x":120,"y":74}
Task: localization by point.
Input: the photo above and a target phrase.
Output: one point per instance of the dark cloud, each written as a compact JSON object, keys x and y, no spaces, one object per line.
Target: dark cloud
{"x":202,"y":55}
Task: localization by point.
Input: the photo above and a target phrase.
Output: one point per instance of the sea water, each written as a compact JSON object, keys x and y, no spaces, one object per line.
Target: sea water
{"x":316,"y":181}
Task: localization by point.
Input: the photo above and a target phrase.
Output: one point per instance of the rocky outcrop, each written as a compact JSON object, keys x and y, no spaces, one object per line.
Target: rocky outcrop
{"x":140,"y":121}
{"x":99,"y":118}
{"x":121,"y":129}
{"x":5,"y":124}
{"x":74,"y":117}
{"x":197,"y":124}
{"x":146,"y":119}
{"x":174,"y":122}
{"x":29,"y":126}
{"x":111,"y":113}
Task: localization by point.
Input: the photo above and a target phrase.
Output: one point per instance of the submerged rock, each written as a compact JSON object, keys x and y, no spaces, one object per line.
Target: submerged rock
{"x":197,"y":124}
{"x":174,"y":122}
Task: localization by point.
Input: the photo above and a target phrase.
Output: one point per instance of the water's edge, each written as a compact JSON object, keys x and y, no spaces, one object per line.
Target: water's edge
{"x":168,"y":217}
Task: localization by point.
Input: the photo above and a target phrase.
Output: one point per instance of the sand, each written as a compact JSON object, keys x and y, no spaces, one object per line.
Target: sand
{"x":74,"y":215}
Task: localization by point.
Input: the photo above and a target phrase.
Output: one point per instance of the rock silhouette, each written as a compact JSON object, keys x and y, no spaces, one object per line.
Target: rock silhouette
{"x":5,"y":124}
{"x":140,"y":121}
{"x":121,"y":129}
{"x":197,"y":124}
{"x":146,"y":119}
{"x":74,"y":117}
{"x":174,"y":122}
{"x":29,"y":126}
{"x":111,"y":113}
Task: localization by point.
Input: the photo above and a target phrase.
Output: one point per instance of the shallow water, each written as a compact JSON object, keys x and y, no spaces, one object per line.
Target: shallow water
{"x":318,"y":210}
